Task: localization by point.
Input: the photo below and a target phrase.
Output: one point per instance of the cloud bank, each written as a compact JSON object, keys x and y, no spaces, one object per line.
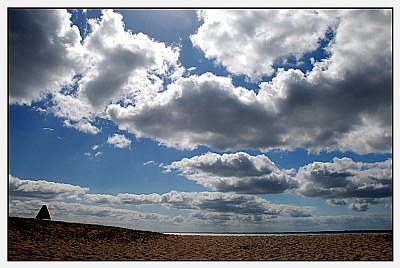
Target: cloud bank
{"x":43,"y":189}
{"x":239,"y":172}
{"x":366,"y":183}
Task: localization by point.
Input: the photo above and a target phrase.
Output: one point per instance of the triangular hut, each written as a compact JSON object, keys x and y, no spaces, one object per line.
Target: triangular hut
{"x":43,"y":214}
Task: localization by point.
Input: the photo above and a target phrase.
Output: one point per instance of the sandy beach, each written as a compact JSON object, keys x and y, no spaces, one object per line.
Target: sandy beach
{"x":33,"y":240}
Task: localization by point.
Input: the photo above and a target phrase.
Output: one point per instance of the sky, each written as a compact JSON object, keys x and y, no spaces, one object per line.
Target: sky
{"x":215,"y":120}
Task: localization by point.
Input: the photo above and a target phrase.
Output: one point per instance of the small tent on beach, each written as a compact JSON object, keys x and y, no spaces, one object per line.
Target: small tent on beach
{"x":43,"y":214}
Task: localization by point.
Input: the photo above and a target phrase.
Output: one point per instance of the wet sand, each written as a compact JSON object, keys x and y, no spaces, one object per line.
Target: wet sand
{"x":33,"y":240}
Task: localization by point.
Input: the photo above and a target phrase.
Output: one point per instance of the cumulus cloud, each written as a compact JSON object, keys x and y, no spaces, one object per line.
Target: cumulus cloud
{"x":206,"y":202}
{"x":238,"y":39}
{"x":239,"y":172}
{"x":343,"y":178}
{"x":111,"y":64}
{"x":123,"y":63}
{"x":229,"y":203}
{"x":45,"y":53}
{"x":126,"y":198}
{"x":83,"y":126}
{"x":123,"y":79}
{"x":336,"y":202}
{"x":70,"y":107}
{"x":338,"y":105}
{"x":119,"y":141}
{"x":358,"y":206}
{"x":43,"y":189}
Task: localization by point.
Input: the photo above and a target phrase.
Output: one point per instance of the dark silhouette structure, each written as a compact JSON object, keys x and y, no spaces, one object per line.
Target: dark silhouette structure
{"x":43,"y":214}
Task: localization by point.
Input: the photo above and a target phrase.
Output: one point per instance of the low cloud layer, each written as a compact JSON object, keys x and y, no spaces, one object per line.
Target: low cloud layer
{"x":43,"y":189}
{"x":239,"y":172}
{"x":202,"y":201}
{"x":343,"y":179}
{"x":197,"y":209}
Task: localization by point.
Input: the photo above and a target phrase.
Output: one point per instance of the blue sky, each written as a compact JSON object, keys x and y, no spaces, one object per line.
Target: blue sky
{"x":213,"y":120}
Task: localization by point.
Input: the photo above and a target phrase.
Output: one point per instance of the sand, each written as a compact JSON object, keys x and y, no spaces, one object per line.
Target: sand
{"x":33,"y":240}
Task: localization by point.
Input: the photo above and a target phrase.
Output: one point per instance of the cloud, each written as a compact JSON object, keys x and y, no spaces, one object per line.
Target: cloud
{"x":123,"y":63}
{"x":238,"y":39}
{"x":78,"y":212}
{"x":343,"y":178}
{"x":205,"y":201}
{"x":358,"y":206}
{"x":228,"y":203}
{"x":150,"y":162}
{"x":43,"y":189}
{"x":119,"y":141}
{"x":241,"y":212}
{"x":47,"y":128}
{"x":239,"y":172}
{"x":45,"y":53}
{"x":196,"y":220}
{"x":120,"y":199}
{"x":83,"y":126}
{"x":336,"y":202}
{"x":336,"y":106}
{"x":49,"y":59}
{"x":343,"y":103}
{"x":70,"y":107}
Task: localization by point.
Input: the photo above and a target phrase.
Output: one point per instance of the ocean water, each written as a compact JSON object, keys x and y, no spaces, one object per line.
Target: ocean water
{"x":284,"y":233}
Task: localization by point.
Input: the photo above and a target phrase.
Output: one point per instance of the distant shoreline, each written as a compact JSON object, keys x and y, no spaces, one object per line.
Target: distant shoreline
{"x":282,"y":233}
{"x":327,"y":232}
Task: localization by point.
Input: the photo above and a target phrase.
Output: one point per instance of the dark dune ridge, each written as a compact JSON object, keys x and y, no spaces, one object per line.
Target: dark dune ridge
{"x":34,"y":240}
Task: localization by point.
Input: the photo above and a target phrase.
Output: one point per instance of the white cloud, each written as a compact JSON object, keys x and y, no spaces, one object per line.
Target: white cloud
{"x":238,"y":172}
{"x":196,"y":220}
{"x":318,"y":110}
{"x":336,"y":202}
{"x":71,"y":108}
{"x":123,"y":75}
{"x":238,"y":39}
{"x":83,"y":76}
{"x":198,"y":210}
{"x":85,"y":213}
{"x":365,"y":183}
{"x":119,"y":141}
{"x":83,"y":126}
{"x":150,"y":162}
{"x":43,"y":189}
{"x":45,"y":53}
{"x":204,"y":202}
{"x":47,"y":128}
{"x":123,"y":63}
{"x":119,"y":199}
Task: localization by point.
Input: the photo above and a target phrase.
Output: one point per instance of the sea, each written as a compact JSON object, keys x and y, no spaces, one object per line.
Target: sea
{"x":284,"y":233}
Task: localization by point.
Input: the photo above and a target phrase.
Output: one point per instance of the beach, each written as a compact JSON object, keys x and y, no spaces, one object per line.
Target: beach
{"x":35,"y":240}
